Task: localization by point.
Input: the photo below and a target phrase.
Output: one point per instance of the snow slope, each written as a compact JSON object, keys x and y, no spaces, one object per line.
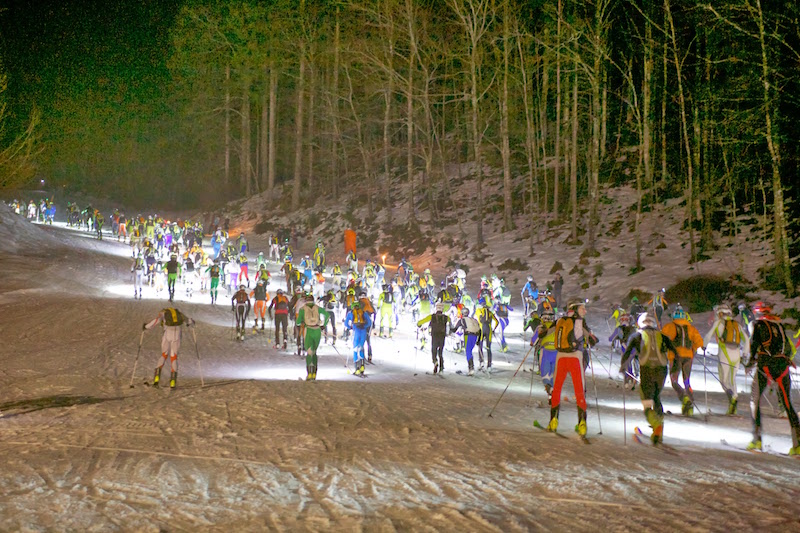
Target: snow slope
{"x":257,"y":449}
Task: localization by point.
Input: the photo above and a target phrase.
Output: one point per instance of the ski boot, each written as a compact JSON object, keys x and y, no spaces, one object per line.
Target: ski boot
{"x":173,"y":379}
{"x":755,"y":446}
{"x":553,"y":425}
{"x":435,"y":368}
{"x":686,"y":406}
{"x":794,"y":451}
{"x":658,"y":435}
{"x":580,"y":428}
{"x":732,"y":406}
{"x":390,"y":333}
{"x":504,"y":348}
{"x":157,"y":377}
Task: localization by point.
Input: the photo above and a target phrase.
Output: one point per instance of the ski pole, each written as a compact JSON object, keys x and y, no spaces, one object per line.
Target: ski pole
{"x":530,"y":392}
{"x":136,"y":361}
{"x":705,"y":384}
{"x":509,"y":382}
{"x":596,"y":402}
{"x":197,"y":353}
{"x":624,"y":415}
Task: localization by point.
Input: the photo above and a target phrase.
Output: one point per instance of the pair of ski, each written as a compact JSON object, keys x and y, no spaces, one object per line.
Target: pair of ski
{"x":583,"y":438}
{"x":440,"y":374}
{"x":640,"y":437}
{"x":765,"y":449}
{"x":474,"y":374}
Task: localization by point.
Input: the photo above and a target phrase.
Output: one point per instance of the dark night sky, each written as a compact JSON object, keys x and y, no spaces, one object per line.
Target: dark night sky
{"x":65,"y":49}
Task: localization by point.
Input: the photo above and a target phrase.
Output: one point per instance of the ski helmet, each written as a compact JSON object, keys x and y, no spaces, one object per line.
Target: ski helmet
{"x":530,"y":279}
{"x":679,"y":313}
{"x":279,"y":292}
{"x":646,"y":320}
{"x":465,"y":311}
{"x":548,"y":316}
{"x":724,"y":310}
{"x":763,"y":310}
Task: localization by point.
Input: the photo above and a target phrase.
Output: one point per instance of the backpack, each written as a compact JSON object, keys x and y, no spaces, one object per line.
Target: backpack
{"x":311,"y":316}
{"x":651,"y":349}
{"x":358,"y":317}
{"x":471,"y":325}
{"x":564,"y":327}
{"x":388,"y":297}
{"x":776,"y":346}
{"x":732,"y":335}
{"x":172,"y":317}
{"x":281,"y":304}
{"x":682,"y":339}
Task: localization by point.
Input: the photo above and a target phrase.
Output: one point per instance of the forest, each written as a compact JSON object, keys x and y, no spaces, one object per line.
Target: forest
{"x":373,"y":101}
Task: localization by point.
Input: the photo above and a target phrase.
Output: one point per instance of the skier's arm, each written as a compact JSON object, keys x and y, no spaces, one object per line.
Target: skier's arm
{"x":713,"y":334}
{"x":152,"y":323}
{"x":424,"y":320}
{"x":697,"y":340}
{"x":535,"y":338}
{"x":634,"y":343}
{"x":668,"y":346}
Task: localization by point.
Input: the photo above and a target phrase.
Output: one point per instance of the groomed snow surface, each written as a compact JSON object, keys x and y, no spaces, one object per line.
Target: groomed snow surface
{"x":257,"y":449}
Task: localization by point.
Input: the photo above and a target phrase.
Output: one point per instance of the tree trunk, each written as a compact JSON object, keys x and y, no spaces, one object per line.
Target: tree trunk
{"x":263,"y":144}
{"x":311,"y":125}
{"x":647,"y":135}
{"x":388,"y":95}
{"x":508,"y":222}
{"x":573,"y":171}
{"x":410,"y":110}
{"x":663,"y":118}
{"x":337,"y":135}
{"x":531,"y":148}
{"x":545,"y":90}
{"x":783,"y":263}
{"x":298,"y":123}
{"x":244,"y":150}
{"x":685,"y":132}
{"x":273,"y":123}
{"x":594,"y":154}
{"x":227,"y":125}
{"x":557,"y":162}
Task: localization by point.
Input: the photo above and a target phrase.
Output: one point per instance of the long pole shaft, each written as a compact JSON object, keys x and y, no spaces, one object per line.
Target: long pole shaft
{"x":624,"y":415}
{"x":596,"y":401}
{"x":136,"y":361}
{"x":199,"y":363}
{"x":509,"y":382}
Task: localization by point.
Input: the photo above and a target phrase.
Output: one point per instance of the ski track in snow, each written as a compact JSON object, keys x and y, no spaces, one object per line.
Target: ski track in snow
{"x":256,"y":449}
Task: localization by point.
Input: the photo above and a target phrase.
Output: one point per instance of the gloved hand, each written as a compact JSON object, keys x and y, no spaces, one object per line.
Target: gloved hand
{"x":144,"y":326}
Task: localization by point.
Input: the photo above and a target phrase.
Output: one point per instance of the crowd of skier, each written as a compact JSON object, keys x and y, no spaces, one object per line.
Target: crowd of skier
{"x":370,"y":299}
